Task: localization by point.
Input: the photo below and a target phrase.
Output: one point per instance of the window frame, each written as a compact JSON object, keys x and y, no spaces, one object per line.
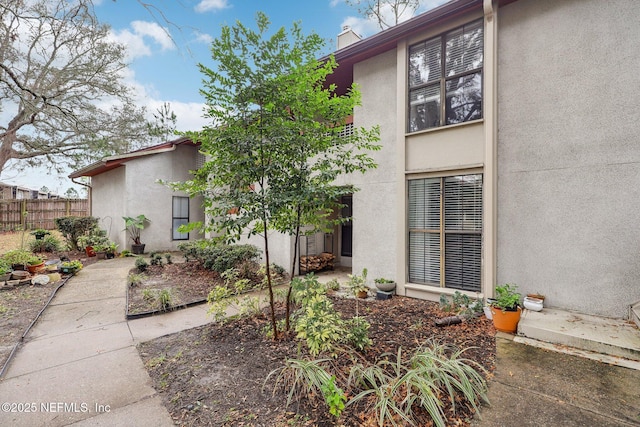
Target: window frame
{"x":174,"y":218}
{"x":440,"y":95}
{"x":436,"y":229}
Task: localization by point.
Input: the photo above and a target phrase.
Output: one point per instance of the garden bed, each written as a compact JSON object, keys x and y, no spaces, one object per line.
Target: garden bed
{"x":215,"y":374}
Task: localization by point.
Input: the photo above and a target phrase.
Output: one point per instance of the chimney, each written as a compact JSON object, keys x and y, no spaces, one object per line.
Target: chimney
{"x":347,"y":37}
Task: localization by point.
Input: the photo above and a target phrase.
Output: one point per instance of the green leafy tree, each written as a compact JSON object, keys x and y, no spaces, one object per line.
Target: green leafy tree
{"x":276,"y":144}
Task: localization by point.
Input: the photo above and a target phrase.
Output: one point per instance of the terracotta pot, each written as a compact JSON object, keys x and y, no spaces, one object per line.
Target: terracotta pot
{"x":506,"y":321}
{"x":362,"y":294}
{"x":90,"y":252}
{"x":33,"y":268}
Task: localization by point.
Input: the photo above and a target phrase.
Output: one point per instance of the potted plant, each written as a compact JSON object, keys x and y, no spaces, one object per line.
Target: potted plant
{"x":34,"y":263}
{"x":505,"y":309}
{"x":100,"y":251}
{"x":385,"y":285}
{"x":111,"y":250}
{"x":70,"y":267}
{"x":358,"y":284}
{"x":5,"y":271}
{"x":133,"y":226}
{"x":17,"y":258}
{"x":39,"y":233}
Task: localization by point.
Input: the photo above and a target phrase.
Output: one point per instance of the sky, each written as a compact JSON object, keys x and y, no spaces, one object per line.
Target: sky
{"x":167,"y":39}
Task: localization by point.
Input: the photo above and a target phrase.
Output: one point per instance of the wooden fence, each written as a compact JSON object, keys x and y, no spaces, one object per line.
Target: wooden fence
{"x":29,"y":214}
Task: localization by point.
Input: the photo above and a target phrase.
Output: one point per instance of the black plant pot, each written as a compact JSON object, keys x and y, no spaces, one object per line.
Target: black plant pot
{"x":137,"y":249}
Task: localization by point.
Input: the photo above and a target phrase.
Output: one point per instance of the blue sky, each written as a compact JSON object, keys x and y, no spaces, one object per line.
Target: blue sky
{"x":166,"y":41}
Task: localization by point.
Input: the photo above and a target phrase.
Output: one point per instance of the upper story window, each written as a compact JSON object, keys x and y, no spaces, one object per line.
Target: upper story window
{"x":446,"y":67}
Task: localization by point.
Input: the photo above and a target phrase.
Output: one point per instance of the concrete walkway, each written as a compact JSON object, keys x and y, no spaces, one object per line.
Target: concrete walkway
{"x":79,"y":365}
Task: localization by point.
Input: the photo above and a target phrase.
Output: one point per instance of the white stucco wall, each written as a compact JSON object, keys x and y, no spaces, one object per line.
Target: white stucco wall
{"x":374,"y":220}
{"x":143,"y":195}
{"x":568,"y":156}
{"x":108,"y":202}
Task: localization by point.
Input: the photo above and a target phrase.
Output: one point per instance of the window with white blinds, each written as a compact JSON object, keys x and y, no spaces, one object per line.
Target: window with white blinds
{"x":445,"y":231}
{"x":445,"y":78}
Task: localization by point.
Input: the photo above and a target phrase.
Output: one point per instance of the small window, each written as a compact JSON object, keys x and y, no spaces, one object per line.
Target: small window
{"x":445,"y":79}
{"x":180,"y":217}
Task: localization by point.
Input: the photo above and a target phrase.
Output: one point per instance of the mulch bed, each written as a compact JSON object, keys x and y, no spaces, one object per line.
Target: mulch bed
{"x":186,"y":282}
{"x":215,"y":374}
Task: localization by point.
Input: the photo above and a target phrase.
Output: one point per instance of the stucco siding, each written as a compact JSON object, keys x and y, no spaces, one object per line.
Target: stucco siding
{"x":375,"y":204}
{"x":568,"y":159}
{"x":108,"y":201}
{"x":454,"y":147}
{"x":132,"y":189}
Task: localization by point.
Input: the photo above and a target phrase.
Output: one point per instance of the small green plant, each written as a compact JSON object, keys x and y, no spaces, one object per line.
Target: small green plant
{"x":309,"y":379}
{"x":383,"y":280}
{"x":35,"y":260}
{"x":126,"y":253}
{"x":156,"y":259}
{"x":399,"y":386}
{"x":358,"y":333}
{"x":134,"y":225}
{"x":358,"y":282}
{"x":334,"y":397}
{"x":333,"y":285}
{"x":39,"y":233}
{"x":47,"y":244}
{"x":461,"y":304}
{"x":134,"y":279}
{"x":17,"y":257}
{"x":507,"y":297}
{"x":167,"y":256}
{"x":73,"y":265}
{"x":5,"y":267}
{"x":164,"y":299}
{"x":149,"y":294}
{"x":141,"y":264}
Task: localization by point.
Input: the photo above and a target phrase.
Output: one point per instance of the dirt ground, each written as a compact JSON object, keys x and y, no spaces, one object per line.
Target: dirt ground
{"x":19,"y":306}
{"x":216,"y":374}
{"x":186,"y":283}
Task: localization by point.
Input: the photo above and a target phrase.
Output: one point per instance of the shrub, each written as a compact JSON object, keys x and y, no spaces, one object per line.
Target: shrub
{"x":433,"y":374}
{"x":48,"y":244}
{"x":218,"y":257}
{"x":73,"y":227}
{"x":310,"y":379}
{"x":141,"y":264}
{"x":156,"y":259}
{"x":317,"y":322}
{"x":358,"y":333}
{"x":5,"y":267}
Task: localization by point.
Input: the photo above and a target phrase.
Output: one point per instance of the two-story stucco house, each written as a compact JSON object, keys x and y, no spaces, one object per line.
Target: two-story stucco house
{"x":510,"y":151}
{"x":510,"y":154}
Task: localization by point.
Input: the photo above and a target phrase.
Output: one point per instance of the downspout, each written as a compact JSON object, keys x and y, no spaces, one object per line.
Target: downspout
{"x":89,"y":194}
{"x":491,"y":146}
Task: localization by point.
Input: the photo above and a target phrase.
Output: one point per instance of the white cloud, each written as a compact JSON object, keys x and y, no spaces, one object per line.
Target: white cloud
{"x":203,"y":38}
{"x":207,"y":5}
{"x":135,"y":40}
{"x":151,"y":29}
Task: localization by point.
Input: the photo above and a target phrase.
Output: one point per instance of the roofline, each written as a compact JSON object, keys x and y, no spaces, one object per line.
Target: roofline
{"x":388,"y":38}
{"x":112,"y":162}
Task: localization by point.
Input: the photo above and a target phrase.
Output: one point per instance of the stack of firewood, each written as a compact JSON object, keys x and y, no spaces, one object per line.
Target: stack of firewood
{"x":320,"y":262}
